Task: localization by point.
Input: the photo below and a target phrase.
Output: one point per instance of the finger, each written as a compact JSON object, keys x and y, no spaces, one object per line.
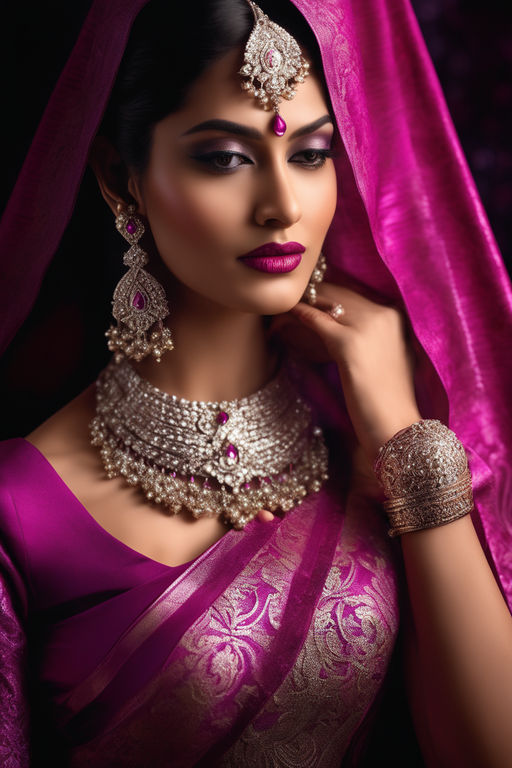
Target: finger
{"x":334,"y":310}
{"x":329,"y":329}
{"x":325,"y":318}
{"x":265,"y":516}
{"x":326,"y":301}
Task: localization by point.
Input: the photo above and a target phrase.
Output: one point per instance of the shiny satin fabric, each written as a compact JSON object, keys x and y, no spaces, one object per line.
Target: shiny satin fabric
{"x":409,"y":228}
{"x":272,"y":645}
{"x":282,"y":667}
{"x":409,"y":224}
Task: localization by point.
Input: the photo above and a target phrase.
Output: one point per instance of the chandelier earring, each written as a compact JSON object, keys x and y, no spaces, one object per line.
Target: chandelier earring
{"x":139,"y":300}
{"x":310,"y":294}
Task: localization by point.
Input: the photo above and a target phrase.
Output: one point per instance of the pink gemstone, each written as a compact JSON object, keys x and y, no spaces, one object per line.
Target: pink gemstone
{"x":173,"y":474}
{"x":192,"y":479}
{"x":206,"y":484}
{"x":231,"y":452}
{"x":267,"y":479}
{"x":138,"y":301}
{"x":269,"y":56}
{"x":247,"y":486}
{"x":131,"y":227}
{"x":222,"y":417}
{"x":279,"y":125}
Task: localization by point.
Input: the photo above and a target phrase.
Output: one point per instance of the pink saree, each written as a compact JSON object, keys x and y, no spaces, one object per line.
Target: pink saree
{"x":268,"y":649}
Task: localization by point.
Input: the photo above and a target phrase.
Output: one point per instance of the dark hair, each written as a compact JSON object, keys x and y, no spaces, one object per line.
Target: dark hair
{"x":170,"y":45}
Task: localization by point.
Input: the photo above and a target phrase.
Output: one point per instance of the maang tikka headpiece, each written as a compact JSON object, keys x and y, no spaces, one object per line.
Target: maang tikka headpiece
{"x":273,"y":65}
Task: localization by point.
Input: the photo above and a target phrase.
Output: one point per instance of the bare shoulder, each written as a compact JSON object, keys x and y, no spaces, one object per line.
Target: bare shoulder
{"x":118,"y":507}
{"x":63,"y":439}
{"x":66,"y":431}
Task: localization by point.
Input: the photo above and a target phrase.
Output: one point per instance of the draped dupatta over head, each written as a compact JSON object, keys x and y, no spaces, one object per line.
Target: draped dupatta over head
{"x":409,"y":226}
{"x":409,"y":222}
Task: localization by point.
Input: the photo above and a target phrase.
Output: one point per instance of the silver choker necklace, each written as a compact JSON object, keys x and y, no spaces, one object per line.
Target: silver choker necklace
{"x":228,"y":459}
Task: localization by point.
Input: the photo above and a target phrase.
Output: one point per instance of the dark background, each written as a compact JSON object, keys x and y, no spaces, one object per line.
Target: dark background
{"x":470,"y":42}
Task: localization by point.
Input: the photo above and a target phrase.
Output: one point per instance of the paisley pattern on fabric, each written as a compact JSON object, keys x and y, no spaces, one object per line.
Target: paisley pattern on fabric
{"x":310,"y":720}
{"x":409,"y":224}
{"x":217,"y":670}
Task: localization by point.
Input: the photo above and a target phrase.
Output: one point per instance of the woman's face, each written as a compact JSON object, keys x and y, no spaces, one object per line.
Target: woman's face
{"x":220,"y":184}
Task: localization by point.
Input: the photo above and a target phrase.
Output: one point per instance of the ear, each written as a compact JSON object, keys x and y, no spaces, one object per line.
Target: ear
{"x":117,"y":185}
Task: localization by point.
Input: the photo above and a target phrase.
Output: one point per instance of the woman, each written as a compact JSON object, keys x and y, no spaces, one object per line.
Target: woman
{"x":160,"y":639}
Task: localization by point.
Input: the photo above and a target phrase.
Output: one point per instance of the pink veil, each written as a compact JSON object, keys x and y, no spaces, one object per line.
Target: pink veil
{"x":409,"y":223}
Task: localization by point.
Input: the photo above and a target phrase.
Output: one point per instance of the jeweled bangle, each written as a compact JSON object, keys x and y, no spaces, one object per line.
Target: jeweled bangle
{"x":424,"y":472}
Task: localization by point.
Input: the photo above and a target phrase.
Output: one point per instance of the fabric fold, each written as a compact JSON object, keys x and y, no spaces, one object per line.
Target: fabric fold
{"x":305,"y":589}
{"x":140,"y":652}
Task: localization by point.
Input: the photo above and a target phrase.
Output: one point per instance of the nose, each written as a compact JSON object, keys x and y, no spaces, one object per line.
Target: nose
{"x":277,"y":204}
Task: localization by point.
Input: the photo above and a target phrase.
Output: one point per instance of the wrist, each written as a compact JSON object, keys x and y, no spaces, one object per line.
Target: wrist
{"x":424,"y":472}
{"x":383,"y":429}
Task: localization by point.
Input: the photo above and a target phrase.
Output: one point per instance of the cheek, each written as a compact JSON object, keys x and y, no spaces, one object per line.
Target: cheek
{"x":319,"y":200}
{"x":194,"y":208}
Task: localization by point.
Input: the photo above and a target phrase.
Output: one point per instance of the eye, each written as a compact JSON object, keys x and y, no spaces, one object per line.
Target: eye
{"x":311,"y":158}
{"x":222,"y":161}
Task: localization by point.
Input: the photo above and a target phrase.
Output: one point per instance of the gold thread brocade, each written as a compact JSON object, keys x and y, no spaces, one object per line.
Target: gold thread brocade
{"x":214,"y":672}
{"x":319,"y":705}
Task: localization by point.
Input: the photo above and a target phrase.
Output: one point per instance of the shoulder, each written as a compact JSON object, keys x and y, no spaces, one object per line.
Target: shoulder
{"x":38,"y":476}
{"x":64,"y":443}
{"x":21,"y":468}
{"x":32,"y":468}
{"x":67,"y":431}
{"x":18,"y":460}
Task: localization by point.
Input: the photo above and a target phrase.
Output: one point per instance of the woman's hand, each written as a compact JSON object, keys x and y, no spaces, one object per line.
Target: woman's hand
{"x":368,"y":343}
{"x":459,"y":670}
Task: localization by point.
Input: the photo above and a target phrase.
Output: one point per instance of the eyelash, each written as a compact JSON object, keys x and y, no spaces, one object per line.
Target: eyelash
{"x":209,"y":159}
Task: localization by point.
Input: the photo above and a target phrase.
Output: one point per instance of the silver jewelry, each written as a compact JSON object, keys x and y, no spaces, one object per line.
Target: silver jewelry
{"x":336,"y":311}
{"x":273,"y":65}
{"x":310,"y":294}
{"x":227,"y":459}
{"x":424,"y":472}
{"x":139,"y":300}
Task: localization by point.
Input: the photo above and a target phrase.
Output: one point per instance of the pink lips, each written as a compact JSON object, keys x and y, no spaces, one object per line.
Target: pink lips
{"x":274,"y":258}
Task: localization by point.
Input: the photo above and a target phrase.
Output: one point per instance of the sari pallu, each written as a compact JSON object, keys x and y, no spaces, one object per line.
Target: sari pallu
{"x":268,"y":650}
{"x":409,"y":224}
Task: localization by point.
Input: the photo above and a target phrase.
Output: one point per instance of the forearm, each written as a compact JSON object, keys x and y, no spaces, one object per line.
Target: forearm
{"x":461,"y":665}
{"x":462,"y":676}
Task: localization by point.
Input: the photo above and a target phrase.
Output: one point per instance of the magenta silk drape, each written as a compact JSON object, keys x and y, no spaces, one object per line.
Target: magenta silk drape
{"x":406,"y":196}
{"x":409,"y":223}
{"x":408,"y":226}
{"x":273,"y":642}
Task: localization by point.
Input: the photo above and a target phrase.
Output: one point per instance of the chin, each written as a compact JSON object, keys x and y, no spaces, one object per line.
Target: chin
{"x":273,"y":303}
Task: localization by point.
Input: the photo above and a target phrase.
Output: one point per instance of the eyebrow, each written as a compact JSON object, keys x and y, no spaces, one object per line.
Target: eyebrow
{"x":251,"y":133}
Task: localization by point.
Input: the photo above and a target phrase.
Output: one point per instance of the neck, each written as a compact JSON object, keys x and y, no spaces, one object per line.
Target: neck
{"x":219,"y":353}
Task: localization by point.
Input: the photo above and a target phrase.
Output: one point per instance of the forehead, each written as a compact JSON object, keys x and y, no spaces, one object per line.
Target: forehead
{"x":217,"y":93}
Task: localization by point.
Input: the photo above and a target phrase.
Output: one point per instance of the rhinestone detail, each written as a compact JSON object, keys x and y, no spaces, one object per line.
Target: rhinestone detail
{"x":267,"y":455}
